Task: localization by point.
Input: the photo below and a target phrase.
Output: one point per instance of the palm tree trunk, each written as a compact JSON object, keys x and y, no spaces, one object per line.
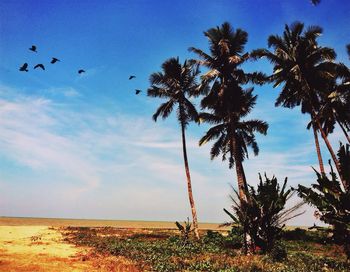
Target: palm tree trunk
{"x":241,"y":179}
{"x":344,"y":130}
{"x":242,"y":183}
{"x":324,"y":136}
{"x":318,"y":150}
{"x":330,"y":149}
{"x":189,"y":185}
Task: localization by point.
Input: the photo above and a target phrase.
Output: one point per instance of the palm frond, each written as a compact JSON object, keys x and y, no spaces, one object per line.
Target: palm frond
{"x":164,"y":110}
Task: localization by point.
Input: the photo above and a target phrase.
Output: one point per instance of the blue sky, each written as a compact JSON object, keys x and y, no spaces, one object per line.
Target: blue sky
{"x":84,"y":146}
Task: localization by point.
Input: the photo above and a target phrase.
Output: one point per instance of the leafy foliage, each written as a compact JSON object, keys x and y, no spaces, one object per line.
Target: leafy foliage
{"x":300,"y":64}
{"x":262,"y":217}
{"x":278,"y":253}
{"x":306,"y":71}
{"x":175,"y":83}
{"x":335,"y":102}
{"x":164,"y":253}
{"x":332,"y":200}
{"x":185,"y":229}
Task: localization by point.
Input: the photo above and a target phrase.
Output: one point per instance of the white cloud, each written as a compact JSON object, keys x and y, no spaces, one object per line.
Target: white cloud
{"x":101,"y":164}
{"x":27,"y":130}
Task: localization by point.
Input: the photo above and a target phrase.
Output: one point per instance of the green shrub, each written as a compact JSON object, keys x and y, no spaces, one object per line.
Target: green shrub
{"x":263,"y":214}
{"x":185,"y":229}
{"x":278,"y":253}
{"x":235,"y":237}
{"x":213,"y":237}
{"x":296,"y":234}
{"x":332,"y":199}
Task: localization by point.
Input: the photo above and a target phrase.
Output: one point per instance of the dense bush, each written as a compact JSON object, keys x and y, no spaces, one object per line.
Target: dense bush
{"x":318,"y":236}
{"x":332,"y":199}
{"x":263,"y":215}
{"x":278,"y":253}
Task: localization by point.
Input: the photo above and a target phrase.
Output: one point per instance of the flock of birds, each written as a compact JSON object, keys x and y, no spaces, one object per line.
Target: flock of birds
{"x":33,"y":48}
{"x":24,"y":67}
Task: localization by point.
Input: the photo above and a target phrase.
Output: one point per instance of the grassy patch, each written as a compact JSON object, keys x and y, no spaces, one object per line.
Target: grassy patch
{"x":166,"y":251}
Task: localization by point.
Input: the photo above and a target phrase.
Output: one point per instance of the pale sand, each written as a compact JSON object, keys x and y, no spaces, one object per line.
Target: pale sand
{"x":41,"y":248}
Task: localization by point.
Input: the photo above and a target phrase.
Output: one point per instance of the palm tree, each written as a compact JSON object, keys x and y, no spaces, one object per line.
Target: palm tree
{"x":335,"y":109}
{"x":305,"y":68}
{"x":336,"y":101}
{"x":233,"y":135}
{"x":331,"y":200}
{"x":339,"y":99}
{"x":225,"y":98}
{"x":175,"y":83}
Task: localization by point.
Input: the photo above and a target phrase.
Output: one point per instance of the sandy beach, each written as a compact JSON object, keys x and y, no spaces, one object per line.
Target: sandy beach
{"x":41,"y":248}
{"x":37,"y":244}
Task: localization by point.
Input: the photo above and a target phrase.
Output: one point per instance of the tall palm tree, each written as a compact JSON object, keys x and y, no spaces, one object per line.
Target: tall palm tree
{"x":225,"y":98}
{"x":232,"y":134}
{"x":305,"y":68}
{"x":176,"y":83}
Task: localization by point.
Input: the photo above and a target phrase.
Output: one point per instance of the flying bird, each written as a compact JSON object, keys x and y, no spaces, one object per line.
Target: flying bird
{"x":39,"y":66}
{"x":54,"y":60}
{"x":131,"y":77}
{"x":81,"y":71}
{"x":24,"y":67}
{"x":137,"y":91}
{"x":33,"y":48}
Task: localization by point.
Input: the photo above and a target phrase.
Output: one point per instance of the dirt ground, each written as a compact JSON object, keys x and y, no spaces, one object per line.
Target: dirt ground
{"x":41,"y":248}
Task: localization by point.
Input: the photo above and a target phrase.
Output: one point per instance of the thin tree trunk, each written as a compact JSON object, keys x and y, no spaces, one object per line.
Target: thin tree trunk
{"x":189,"y":185}
{"x":324,"y":136}
{"x":330,"y":149}
{"x":345,"y":132}
{"x":318,"y":150}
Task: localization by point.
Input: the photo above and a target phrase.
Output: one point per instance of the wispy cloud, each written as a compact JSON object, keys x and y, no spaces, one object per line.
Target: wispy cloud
{"x":129,"y":166}
{"x":65,"y":91}
{"x":28,"y":136}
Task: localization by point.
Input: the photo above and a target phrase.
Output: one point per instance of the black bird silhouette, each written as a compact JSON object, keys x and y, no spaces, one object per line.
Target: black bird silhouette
{"x":39,"y":66}
{"x":81,"y":71}
{"x":137,"y":91}
{"x":33,"y":48}
{"x":24,"y":67}
{"x":131,"y":77}
{"x":54,"y":60}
